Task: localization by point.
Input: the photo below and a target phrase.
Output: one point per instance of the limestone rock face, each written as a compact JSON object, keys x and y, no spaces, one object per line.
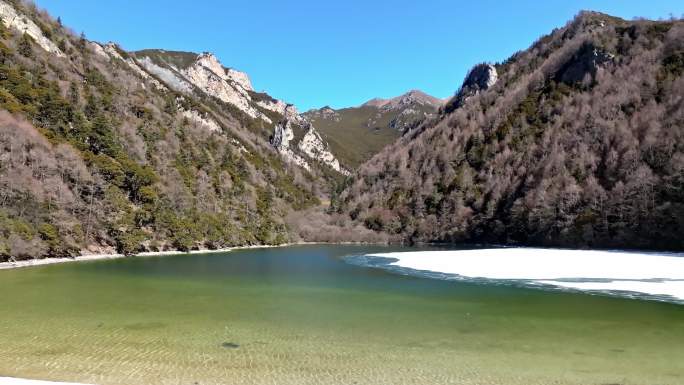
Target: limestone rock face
{"x":313,"y":146}
{"x":480,"y":78}
{"x":170,"y":77}
{"x":14,"y":20}
{"x":309,"y":147}
{"x":211,"y":62}
{"x":221,"y":86}
{"x":283,"y":134}
{"x":294,"y":137}
{"x":288,"y":111}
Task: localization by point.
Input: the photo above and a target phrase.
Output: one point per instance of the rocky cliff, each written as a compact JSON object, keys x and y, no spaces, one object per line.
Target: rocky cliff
{"x":480,"y":78}
{"x":16,"y":21}
{"x":206,"y":74}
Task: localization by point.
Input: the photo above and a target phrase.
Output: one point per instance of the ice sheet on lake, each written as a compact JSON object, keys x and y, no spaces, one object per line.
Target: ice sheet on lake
{"x":650,"y":274}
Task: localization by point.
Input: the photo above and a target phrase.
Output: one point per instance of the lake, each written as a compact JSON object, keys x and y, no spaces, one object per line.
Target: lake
{"x":305,"y":315}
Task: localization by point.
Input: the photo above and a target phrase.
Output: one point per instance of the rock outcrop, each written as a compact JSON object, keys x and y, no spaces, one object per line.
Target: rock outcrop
{"x":313,"y":146}
{"x":15,"y":20}
{"x":283,"y":135}
{"x":207,"y":74}
{"x":170,"y":77}
{"x":481,"y":77}
{"x":294,"y":137}
{"x":308,"y":144}
{"x":586,"y":62}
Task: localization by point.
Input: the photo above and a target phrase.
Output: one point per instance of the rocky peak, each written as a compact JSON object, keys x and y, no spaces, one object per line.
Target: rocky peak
{"x":210,"y":61}
{"x":480,"y":78}
{"x":591,"y":21}
{"x":327,"y":113}
{"x":411,"y":98}
{"x":586,"y":61}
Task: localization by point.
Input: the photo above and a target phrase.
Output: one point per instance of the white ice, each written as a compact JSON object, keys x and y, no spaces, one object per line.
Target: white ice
{"x":647,"y":273}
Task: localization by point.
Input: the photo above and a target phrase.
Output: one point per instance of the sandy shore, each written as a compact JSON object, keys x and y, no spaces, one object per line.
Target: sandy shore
{"x":657,"y":274}
{"x":19,"y":381}
{"x":95,"y":257}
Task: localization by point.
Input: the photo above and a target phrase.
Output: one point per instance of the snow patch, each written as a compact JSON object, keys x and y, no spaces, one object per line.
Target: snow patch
{"x":649,"y":274}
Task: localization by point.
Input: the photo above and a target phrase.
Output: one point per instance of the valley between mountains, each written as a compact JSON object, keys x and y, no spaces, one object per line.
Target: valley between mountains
{"x":576,"y":141}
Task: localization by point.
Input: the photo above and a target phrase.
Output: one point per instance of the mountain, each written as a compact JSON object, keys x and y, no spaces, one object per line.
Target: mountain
{"x":577,"y":141}
{"x":107,"y":150}
{"x":192,"y":74}
{"x":356,"y":134}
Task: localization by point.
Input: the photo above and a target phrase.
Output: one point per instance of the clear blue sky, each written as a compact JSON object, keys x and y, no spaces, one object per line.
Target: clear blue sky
{"x":340,"y":53}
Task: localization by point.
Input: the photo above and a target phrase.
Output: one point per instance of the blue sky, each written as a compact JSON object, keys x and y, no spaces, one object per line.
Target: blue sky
{"x":315,"y":53}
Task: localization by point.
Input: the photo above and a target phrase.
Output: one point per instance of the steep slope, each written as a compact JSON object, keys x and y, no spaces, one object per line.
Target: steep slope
{"x":356,"y":134}
{"x":577,"y":141}
{"x":105,"y":150}
{"x":205,"y":77}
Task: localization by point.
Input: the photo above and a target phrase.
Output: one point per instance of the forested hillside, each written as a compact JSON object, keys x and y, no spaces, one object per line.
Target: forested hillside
{"x":99,"y":154}
{"x":578,"y":142}
{"x":356,"y":134}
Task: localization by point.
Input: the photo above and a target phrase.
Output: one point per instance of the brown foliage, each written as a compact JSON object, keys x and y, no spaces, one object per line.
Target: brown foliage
{"x":535,"y":160}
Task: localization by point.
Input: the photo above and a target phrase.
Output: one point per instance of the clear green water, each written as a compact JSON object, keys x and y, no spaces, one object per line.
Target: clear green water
{"x":301,"y":315}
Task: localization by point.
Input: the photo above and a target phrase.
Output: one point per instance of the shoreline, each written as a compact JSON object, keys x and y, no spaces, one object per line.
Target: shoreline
{"x":146,"y":254}
{"x":106,"y":256}
{"x":21,"y":381}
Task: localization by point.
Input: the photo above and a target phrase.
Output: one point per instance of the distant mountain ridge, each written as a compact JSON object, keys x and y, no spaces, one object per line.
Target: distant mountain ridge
{"x":357,"y":133}
{"x":412,"y":97}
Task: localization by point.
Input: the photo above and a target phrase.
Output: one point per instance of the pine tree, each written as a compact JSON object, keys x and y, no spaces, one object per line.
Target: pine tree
{"x":74,"y":94}
{"x":82,"y":42}
{"x":25,"y":46}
